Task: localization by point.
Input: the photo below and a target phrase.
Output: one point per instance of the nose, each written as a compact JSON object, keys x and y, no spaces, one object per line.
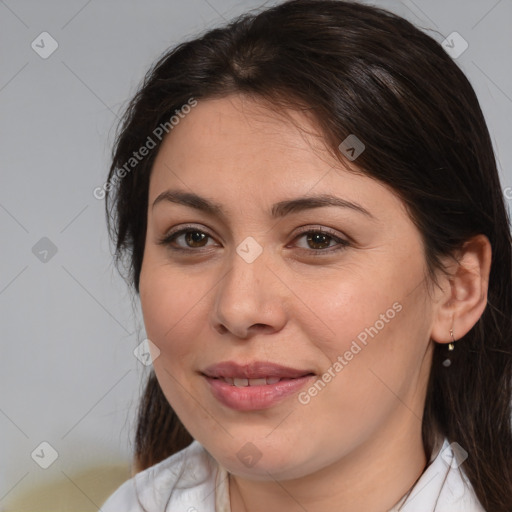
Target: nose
{"x":249,"y":299}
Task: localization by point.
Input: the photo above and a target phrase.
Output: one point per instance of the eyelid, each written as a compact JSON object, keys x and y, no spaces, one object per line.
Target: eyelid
{"x":186,"y":227}
{"x":320,"y":229}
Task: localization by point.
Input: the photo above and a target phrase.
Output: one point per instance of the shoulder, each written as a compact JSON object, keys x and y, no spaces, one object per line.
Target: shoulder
{"x":182,"y":480}
{"x":443,"y":486}
{"x":457,"y":493}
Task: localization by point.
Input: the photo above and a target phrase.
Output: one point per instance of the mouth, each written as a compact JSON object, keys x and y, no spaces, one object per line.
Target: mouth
{"x":241,"y":382}
{"x":253,"y":373}
{"x":253,"y":386}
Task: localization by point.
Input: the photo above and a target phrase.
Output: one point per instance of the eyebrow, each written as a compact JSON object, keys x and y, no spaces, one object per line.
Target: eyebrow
{"x":278,"y":209}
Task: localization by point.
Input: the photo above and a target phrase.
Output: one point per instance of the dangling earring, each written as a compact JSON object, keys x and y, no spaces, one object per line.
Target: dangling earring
{"x":451,"y":345}
{"x":447,"y":362}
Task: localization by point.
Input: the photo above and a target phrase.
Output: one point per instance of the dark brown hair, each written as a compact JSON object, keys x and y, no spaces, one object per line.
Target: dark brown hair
{"x":358,"y":70}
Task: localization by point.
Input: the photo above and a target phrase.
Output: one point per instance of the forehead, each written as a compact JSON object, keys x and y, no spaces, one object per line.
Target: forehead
{"x":236,"y":147}
{"x":241,"y":129}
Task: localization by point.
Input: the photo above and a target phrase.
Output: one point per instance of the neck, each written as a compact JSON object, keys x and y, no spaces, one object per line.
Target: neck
{"x":373,"y":478}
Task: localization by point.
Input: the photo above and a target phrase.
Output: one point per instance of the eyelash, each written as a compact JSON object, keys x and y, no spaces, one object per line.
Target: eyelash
{"x":172,"y":236}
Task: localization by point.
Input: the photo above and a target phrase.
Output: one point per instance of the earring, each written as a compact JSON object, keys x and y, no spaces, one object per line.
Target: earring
{"x":447,"y":362}
{"x":451,"y":345}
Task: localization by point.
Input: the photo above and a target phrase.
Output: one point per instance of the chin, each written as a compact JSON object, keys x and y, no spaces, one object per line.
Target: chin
{"x":269,"y":471}
{"x":255,"y":462}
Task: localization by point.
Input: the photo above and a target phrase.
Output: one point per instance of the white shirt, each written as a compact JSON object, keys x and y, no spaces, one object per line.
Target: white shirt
{"x":203,"y":486}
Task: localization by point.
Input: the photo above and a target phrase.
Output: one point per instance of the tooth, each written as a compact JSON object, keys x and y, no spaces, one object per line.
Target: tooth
{"x":257,"y":382}
{"x":240,"y":382}
{"x":229,"y":380}
{"x":272,"y":380}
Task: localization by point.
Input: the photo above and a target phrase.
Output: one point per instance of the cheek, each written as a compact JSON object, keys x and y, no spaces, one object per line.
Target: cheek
{"x":378,"y":348}
{"x":354,"y":306}
{"x":171,"y":303}
{"x":376,"y":321}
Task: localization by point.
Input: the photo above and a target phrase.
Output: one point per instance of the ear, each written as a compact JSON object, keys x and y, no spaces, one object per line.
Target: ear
{"x":463,"y":294}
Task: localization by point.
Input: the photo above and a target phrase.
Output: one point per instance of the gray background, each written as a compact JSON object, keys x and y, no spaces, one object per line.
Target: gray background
{"x":68,"y":374}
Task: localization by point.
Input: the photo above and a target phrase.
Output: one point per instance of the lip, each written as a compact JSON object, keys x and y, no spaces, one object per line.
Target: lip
{"x":253,"y":370}
{"x":254,"y":397}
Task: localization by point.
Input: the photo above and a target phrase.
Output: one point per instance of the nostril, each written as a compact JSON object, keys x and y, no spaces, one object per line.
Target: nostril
{"x":221,"y":329}
{"x":261,"y":327}
{"x":254,"y":328}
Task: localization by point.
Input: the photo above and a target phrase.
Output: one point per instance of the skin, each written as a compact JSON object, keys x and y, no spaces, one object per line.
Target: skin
{"x":357,"y":444}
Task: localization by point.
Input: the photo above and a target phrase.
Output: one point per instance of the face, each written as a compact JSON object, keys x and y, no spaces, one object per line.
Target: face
{"x":264,"y":252}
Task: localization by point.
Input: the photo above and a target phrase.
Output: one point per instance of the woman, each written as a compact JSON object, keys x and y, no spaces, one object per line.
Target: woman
{"x":309,"y":206}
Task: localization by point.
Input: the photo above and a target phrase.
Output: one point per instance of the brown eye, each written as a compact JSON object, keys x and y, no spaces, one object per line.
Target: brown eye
{"x":187,"y":239}
{"x":196,"y":238}
{"x":319,"y":240}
